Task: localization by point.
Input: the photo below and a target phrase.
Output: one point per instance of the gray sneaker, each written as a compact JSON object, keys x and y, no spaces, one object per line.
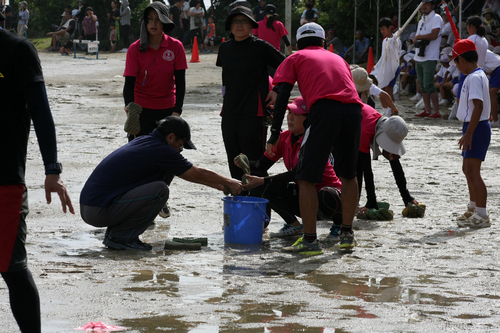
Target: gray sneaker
{"x":288,"y":230}
{"x":475,"y":222}
{"x":302,"y":246}
{"x":334,"y":235}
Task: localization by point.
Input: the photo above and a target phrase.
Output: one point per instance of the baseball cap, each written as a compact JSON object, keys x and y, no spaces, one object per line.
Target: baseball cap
{"x":391,"y":134}
{"x":462,"y":46}
{"x":179,"y":127}
{"x":444,"y":58}
{"x":241,"y":10}
{"x":270,"y":9}
{"x":298,"y":106}
{"x":310,"y":30}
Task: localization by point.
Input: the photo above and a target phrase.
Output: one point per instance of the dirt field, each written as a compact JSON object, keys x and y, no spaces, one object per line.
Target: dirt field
{"x":406,"y":275}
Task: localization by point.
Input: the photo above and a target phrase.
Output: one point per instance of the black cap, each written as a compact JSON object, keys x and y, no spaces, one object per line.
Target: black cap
{"x":240,"y":10}
{"x":179,"y":127}
{"x":270,"y":9}
{"x":163,"y":14}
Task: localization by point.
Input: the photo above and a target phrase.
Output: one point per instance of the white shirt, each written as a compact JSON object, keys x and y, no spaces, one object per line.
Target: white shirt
{"x":491,"y":62}
{"x":453,"y":70}
{"x":442,"y":72}
{"x":195,"y":11}
{"x":375,"y":91}
{"x":476,"y":86}
{"x":482,"y":47}
{"x":446,"y":29}
{"x":425,"y":26}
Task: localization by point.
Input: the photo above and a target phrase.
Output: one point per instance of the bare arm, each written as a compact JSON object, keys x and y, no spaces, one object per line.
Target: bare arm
{"x":432,"y":36}
{"x":212,"y":179}
{"x":386,"y":99}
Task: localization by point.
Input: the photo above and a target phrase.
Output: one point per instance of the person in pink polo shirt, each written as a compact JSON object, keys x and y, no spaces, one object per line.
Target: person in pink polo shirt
{"x":334,"y":125}
{"x":281,"y":189}
{"x":155,"y":70}
{"x":271,"y":30}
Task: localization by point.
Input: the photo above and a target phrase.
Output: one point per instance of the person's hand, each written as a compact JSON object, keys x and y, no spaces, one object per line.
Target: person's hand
{"x":234,"y":186}
{"x":394,"y":112}
{"x":253,"y":181}
{"x":271,"y":148}
{"x":415,"y":39}
{"x":415,"y":202}
{"x":465,"y":142}
{"x":54,"y":183}
{"x":126,"y":110}
{"x":363,"y":210}
{"x":271,"y":97}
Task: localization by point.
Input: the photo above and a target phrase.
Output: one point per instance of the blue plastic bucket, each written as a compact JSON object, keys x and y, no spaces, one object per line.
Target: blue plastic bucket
{"x":244,"y":219}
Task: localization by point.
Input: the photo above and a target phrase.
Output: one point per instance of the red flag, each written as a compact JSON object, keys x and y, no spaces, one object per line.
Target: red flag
{"x":452,"y":23}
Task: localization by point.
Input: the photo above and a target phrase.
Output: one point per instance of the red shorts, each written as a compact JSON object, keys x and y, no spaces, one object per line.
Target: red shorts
{"x":13,"y":211}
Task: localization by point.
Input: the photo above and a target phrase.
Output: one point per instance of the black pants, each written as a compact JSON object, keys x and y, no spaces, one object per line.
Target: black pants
{"x":125,"y":35}
{"x":243,"y":135}
{"x":284,"y":200}
{"x":148,"y":120}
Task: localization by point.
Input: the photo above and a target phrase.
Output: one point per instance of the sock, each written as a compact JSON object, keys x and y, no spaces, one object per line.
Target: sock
{"x":385,"y":111}
{"x":346,"y":228}
{"x":482,"y":211}
{"x":310,"y":237}
{"x":419,"y":95}
{"x":472,"y":205}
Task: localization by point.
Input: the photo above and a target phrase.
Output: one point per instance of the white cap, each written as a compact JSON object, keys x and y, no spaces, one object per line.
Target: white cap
{"x":310,"y":30}
{"x":496,"y":49}
{"x":446,"y":50}
{"x":444,"y":58}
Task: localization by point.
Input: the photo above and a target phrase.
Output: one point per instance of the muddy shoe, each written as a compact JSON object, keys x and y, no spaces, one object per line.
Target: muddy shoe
{"x":301,"y":246}
{"x":171,"y":245}
{"x":475,"y":222}
{"x":202,"y":240}
{"x":132,"y":124}
{"x":116,"y":244}
{"x":334,"y":235}
{"x":347,"y":241}
{"x":465,"y":216}
{"x":165,"y":211}
{"x":288,"y":230}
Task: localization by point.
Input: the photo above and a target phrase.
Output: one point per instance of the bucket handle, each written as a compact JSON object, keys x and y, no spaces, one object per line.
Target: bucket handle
{"x":263,"y":212}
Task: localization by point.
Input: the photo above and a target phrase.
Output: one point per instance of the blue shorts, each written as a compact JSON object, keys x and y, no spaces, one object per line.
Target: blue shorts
{"x":393,"y":82}
{"x":455,"y":80}
{"x":440,"y":80}
{"x":412,"y":71}
{"x":480,"y":140}
{"x":495,"y":78}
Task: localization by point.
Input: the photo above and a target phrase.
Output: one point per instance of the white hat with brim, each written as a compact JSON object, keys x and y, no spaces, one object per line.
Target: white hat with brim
{"x":446,"y":50}
{"x":361,"y":79}
{"x":409,"y":56}
{"x":390,"y":135}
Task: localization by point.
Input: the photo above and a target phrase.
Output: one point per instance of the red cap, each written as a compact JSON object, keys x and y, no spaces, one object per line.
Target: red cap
{"x":462,"y":46}
{"x":298,"y":106}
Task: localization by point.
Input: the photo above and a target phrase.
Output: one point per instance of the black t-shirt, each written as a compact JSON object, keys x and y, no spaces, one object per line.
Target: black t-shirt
{"x":19,"y":68}
{"x":259,"y":13}
{"x":6,"y":10}
{"x":245,"y":75}
{"x":115,"y":13}
{"x":176,"y":13}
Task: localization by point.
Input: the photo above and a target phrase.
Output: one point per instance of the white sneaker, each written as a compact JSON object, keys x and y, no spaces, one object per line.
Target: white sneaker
{"x":416,"y":97}
{"x":475,"y":222}
{"x":124,"y":50}
{"x":465,"y":216}
{"x":420,"y":105}
{"x":404,"y":92}
{"x":444,"y":102}
{"x":495,"y":123}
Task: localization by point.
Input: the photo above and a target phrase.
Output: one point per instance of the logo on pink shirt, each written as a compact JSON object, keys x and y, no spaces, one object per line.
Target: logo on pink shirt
{"x":168,"y":55}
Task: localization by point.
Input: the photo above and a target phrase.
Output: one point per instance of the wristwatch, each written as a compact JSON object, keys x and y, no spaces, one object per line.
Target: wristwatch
{"x":53,"y":168}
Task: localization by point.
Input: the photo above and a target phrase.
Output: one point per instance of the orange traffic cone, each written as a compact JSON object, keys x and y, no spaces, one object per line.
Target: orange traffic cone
{"x":331,"y":48}
{"x":195,"y":57}
{"x":223,"y":39}
{"x":370,"y":64}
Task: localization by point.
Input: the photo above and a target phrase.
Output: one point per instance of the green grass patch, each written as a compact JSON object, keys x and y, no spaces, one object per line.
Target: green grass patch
{"x":42,"y":43}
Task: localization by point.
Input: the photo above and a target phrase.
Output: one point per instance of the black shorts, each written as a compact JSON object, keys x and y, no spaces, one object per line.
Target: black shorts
{"x":334,"y":127}
{"x":13,"y":212}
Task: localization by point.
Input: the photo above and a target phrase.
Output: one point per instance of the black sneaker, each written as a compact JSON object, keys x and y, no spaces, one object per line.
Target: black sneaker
{"x":137,"y":244}
{"x":347,"y":240}
{"x":165,"y":211}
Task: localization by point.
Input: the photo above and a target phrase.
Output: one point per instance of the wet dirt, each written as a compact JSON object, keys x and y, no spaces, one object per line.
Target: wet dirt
{"x":406,"y":275}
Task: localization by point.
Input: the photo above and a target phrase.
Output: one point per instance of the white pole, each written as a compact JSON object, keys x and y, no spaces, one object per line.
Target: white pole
{"x":460,"y":20}
{"x":400,"y":31}
{"x":378,"y":19}
{"x":288,"y":19}
{"x":355,"y":18}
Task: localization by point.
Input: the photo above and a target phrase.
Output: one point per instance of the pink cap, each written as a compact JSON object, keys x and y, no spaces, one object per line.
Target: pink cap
{"x":298,"y":106}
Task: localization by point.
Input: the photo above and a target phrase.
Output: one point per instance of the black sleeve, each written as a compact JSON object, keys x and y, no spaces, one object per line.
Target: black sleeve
{"x":285,"y":177}
{"x":399,"y":176}
{"x":366,"y":164}
{"x":284,"y":90}
{"x":39,"y":109}
{"x":128,"y":89}
{"x":285,"y":39}
{"x":72,"y":26}
{"x":273,"y":57}
{"x":180,"y":89}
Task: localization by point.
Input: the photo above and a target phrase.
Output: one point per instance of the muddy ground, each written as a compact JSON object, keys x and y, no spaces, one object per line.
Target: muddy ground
{"x":406,"y":275}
